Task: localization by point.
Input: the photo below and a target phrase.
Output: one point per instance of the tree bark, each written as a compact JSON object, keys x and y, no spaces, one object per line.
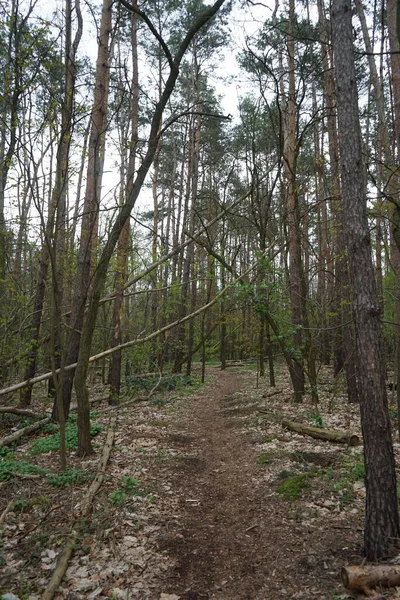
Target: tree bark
{"x":363,"y":578}
{"x":91,"y":207}
{"x":381,"y":519}
{"x":57,"y":205}
{"x":294,"y":242}
{"x":123,"y":243}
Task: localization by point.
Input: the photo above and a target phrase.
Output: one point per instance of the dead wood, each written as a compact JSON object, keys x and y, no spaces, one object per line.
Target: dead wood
{"x":24,"y":431}
{"x":363,"y":578}
{"x":96,"y":484}
{"x":62,"y":565}
{"x":8,"y":508}
{"x":17,"y":411}
{"x":329,"y":435}
{"x":81,"y":513}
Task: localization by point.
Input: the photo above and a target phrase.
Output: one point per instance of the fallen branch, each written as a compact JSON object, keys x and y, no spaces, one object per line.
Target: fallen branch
{"x":17,"y":411}
{"x":135,"y":342}
{"x":62,"y":565}
{"x":328,"y":435}
{"x":24,"y":431}
{"x":363,"y":578}
{"x":80,"y":514}
{"x":96,"y":484}
{"x":8,"y":508}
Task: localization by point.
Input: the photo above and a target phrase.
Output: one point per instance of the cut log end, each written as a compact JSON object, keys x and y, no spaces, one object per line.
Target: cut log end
{"x":363,"y":578}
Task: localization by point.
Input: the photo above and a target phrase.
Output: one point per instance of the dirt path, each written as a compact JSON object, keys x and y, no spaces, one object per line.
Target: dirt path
{"x":227,"y":540}
{"x":217,"y":542}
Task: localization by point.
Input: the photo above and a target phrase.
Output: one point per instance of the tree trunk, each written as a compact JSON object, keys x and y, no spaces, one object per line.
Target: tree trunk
{"x":294,"y":243}
{"x":90,"y":216}
{"x":123,"y":243}
{"x":343,"y":336}
{"x":381,"y":519}
{"x":54,"y":241}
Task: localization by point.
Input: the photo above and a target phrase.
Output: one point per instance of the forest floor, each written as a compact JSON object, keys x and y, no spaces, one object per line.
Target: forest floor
{"x":206,"y":497}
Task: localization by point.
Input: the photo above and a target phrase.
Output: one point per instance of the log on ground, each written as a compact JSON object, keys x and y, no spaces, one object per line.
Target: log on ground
{"x":18,"y":411}
{"x":79,"y":515}
{"x":328,"y":435}
{"x":24,"y":431}
{"x":363,"y":578}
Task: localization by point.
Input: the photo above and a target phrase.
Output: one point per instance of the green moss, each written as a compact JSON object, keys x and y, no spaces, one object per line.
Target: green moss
{"x":292,"y":487}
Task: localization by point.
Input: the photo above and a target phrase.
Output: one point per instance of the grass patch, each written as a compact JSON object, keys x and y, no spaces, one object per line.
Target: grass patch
{"x":25,"y":504}
{"x":314,"y":418}
{"x":268,"y":417}
{"x":9,"y":467}
{"x":269,"y":455}
{"x":269,"y":438}
{"x":264,"y":458}
{"x":51,"y":442}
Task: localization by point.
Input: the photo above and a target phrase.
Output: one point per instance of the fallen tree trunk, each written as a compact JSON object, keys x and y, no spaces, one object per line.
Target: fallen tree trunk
{"x":80,"y":514}
{"x":17,"y":411}
{"x":363,"y":578}
{"x":322,"y":434}
{"x":24,"y":431}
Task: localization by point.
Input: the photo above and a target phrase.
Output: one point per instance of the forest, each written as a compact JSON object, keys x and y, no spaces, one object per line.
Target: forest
{"x":188,"y":189}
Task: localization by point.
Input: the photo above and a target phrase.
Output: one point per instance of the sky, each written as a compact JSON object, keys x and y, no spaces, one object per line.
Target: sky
{"x":229,"y":83}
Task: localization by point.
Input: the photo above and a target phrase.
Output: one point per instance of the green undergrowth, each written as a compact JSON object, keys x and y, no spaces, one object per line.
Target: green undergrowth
{"x":10,"y":467}
{"x":267,"y":418}
{"x":340,"y":479}
{"x":51,"y":441}
{"x":167,"y":383}
{"x":314,"y":418}
{"x":269,"y":456}
{"x":129,"y":488}
{"x":69,"y":477}
{"x":343,"y":477}
{"x":26,"y":504}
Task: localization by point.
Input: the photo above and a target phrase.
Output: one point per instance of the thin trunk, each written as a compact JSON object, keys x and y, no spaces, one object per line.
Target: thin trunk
{"x":292,"y":200}
{"x":56,"y":215}
{"x":124,"y":241}
{"x":88,"y":236}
